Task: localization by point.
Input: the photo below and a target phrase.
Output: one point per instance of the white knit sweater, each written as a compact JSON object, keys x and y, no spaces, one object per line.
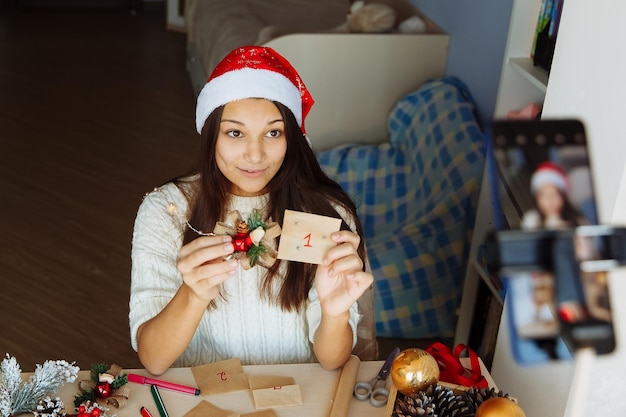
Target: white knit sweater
{"x":243,"y":325}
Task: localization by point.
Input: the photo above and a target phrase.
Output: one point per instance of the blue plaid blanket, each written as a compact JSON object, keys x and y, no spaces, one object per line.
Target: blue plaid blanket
{"x":416,"y":196}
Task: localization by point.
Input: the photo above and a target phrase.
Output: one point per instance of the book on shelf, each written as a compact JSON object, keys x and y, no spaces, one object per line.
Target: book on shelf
{"x":545,"y":33}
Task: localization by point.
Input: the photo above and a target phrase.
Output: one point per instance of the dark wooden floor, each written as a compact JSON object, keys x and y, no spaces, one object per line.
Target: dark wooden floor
{"x":96,"y":108}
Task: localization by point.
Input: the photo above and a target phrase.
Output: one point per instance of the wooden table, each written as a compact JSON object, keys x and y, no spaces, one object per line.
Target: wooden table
{"x":317,"y":387}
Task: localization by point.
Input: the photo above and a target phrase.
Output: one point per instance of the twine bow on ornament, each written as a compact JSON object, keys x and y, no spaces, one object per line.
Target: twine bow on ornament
{"x":108,"y":386}
{"x":253,"y":237}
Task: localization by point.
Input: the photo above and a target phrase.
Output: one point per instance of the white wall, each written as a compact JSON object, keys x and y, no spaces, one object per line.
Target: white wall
{"x":478,"y":30}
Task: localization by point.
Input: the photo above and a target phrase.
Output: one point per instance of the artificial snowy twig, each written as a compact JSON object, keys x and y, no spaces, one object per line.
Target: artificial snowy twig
{"x":17,"y":396}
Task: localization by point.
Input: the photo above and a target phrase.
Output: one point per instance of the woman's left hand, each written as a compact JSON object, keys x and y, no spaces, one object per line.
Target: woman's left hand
{"x":340,"y":279}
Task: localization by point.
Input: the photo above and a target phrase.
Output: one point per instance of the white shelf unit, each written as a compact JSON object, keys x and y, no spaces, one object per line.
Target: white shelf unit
{"x":537,"y":76}
{"x":521,"y":83}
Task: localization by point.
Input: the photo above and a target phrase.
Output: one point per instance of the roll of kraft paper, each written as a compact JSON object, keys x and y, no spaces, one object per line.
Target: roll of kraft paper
{"x":345,"y":387}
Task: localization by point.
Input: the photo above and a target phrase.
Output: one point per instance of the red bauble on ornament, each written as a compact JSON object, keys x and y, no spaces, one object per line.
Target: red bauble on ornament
{"x":103,"y":389}
{"x":242,"y":242}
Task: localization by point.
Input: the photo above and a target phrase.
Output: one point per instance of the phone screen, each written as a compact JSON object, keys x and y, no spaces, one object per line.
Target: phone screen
{"x":544,"y":182}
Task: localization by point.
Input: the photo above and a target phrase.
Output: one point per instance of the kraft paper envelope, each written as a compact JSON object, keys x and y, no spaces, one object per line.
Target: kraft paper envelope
{"x":205,"y":408}
{"x":220,"y":377}
{"x":264,"y":413}
{"x":305,"y":237}
{"x":269,"y":381}
{"x":278,"y":396}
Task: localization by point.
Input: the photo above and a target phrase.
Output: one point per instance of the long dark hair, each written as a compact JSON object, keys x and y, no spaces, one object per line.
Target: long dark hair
{"x":300,"y":184}
{"x":569,"y":213}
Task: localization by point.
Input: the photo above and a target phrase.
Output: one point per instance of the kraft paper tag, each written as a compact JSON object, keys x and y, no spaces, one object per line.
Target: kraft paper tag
{"x":277,"y":396}
{"x":220,"y":377}
{"x":306,"y":237}
{"x":269,"y":381}
{"x":264,"y":413}
{"x":205,"y":408}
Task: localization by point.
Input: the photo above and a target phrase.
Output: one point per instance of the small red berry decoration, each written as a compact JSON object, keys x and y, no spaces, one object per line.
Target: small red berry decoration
{"x":103,"y":389}
{"x":241,"y":240}
{"x":89,"y":409}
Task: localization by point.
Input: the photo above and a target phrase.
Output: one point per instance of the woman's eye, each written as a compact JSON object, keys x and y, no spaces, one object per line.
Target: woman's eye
{"x":276,"y":133}
{"x":234,"y":133}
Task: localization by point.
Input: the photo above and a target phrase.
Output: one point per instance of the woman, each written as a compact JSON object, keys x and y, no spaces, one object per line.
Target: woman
{"x":192,"y":301}
{"x":549,"y":186}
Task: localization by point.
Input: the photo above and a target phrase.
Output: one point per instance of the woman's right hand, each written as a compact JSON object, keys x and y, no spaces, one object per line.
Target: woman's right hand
{"x":202,"y":265}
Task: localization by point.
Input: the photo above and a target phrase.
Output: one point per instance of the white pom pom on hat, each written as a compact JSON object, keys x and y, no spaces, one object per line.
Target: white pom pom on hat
{"x":549,"y":173}
{"x":254,"y":72}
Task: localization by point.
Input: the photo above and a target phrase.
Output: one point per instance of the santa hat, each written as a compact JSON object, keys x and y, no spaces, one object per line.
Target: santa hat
{"x":549,"y":173}
{"x":254,"y":72}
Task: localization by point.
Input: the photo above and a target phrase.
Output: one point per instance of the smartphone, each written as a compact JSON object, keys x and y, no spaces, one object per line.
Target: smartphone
{"x":557,"y":296}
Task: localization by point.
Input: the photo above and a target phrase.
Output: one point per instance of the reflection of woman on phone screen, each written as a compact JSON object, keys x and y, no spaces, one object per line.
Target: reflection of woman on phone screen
{"x":549,"y":186}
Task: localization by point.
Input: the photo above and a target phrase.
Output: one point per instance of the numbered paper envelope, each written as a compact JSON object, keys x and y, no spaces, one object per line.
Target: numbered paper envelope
{"x":305,"y":237}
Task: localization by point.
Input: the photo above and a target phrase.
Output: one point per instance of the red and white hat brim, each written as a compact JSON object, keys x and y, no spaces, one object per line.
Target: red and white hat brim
{"x":548,"y":176}
{"x":247,"y":83}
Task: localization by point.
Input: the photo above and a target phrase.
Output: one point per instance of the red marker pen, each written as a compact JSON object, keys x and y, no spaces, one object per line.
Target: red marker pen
{"x":162,"y":384}
{"x":144,"y":412}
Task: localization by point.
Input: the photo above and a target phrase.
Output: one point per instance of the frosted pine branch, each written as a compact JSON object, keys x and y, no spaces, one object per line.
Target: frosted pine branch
{"x":17,"y":396}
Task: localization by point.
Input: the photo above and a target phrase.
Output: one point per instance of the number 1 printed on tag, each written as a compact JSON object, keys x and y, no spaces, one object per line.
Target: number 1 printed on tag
{"x":305,"y":237}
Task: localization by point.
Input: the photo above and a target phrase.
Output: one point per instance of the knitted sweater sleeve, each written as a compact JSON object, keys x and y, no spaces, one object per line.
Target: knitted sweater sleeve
{"x":157,"y":239}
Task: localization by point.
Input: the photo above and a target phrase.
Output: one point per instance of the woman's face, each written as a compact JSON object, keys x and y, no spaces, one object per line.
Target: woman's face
{"x":549,"y":200}
{"x":251,"y":145}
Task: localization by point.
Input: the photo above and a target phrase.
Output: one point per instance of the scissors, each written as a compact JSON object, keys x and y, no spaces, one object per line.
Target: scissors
{"x":377,"y":396}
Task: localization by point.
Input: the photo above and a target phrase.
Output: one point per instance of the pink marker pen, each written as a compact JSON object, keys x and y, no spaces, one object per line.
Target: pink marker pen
{"x":139,"y":379}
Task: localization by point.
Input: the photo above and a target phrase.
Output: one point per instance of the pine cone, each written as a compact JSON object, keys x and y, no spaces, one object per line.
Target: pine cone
{"x":474,"y":397}
{"x":439,"y":401}
{"x":412,"y":406}
{"x":242,"y":227}
{"x":447,"y":404}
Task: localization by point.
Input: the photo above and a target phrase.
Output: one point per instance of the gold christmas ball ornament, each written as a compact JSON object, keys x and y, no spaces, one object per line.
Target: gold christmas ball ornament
{"x":413,"y":370}
{"x":499,"y":407}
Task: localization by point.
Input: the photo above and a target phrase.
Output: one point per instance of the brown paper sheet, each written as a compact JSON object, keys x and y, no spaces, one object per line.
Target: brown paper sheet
{"x":345,"y":387}
{"x":269,"y":381}
{"x":205,"y":408}
{"x":277,"y":396}
{"x":263,"y":413}
{"x":306,"y":237}
{"x":220,"y":377}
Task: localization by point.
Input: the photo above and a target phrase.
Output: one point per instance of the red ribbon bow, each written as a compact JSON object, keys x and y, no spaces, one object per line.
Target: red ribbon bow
{"x":452,"y":370}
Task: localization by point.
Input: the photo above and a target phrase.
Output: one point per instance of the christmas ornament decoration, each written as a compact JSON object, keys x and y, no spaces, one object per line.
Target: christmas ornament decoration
{"x":242,"y":240}
{"x":18,"y":396}
{"x":103,"y":389}
{"x":499,"y":407}
{"x":254,"y":72}
{"x":440,"y":401}
{"x":90,"y":409}
{"x":413,"y":370}
{"x":253,"y":238}
{"x":106,"y":384}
